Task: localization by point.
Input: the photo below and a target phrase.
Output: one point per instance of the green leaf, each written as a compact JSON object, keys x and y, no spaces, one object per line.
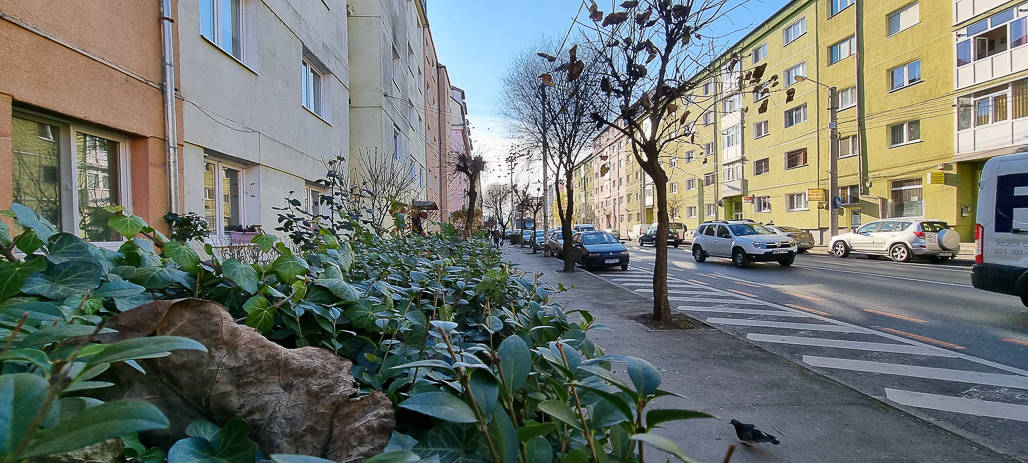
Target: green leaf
{"x":203,"y":429}
{"x":233,"y":442}
{"x":259,"y":314}
{"x":399,"y":441}
{"x":33,"y":356}
{"x":241,"y":274}
{"x":13,"y":275}
{"x":662,"y":415}
{"x":515,"y":362}
{"x":529,"y":431}
{"x":561,"y":411}
{"x":28,"y":218}
{"x":5,"y":234}
{"x":644,"y":375}
{"x":485,"y":389}
{"x":264,"y":242}
{"x":453,"y":443}
{"x":144,"y":348}
{"x":345,"y":257}
{"x":395,"y":456}
{"x":339,"y":288}
{"x":504,"y":435}
{"x":665,"y":445}
{"x":289,"y":268}
{"x":158,"y":277}
{"x":21,"y":395}
{"x":127,"y":226}
{"x":440,"y":405}
{"x":64,"y":280}
{"x":193,"y":450}
{"x":57,"y":333}
{"x":539,"y":450}
{"x":613,"y":399}
{"x":97,"y":424}
{"x":183,"y":255}
{"x":63,"y":247}
{"x":29,"y":242}
{"x":118,"y":288}
{"x":36,"y":310}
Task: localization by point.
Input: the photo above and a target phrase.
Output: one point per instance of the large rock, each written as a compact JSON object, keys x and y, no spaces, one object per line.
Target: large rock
{"x":300,"y":401}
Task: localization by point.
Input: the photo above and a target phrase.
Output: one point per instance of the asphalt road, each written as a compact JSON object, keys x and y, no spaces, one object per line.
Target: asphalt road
{"x":915,"y":334}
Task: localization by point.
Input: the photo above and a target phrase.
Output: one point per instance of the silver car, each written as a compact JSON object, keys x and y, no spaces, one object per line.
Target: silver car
{"x":804,"y":240}
{"x":899,"y":238}
{"x":743,"y":242}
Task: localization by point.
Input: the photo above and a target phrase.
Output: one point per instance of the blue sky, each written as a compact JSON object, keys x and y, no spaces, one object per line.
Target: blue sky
{"x":477,"y":39}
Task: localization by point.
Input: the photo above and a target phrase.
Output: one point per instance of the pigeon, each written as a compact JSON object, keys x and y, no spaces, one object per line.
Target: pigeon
{"x":749,"y":434}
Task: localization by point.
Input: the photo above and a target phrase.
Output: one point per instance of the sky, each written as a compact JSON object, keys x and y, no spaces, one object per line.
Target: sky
{"x":477,"y":40}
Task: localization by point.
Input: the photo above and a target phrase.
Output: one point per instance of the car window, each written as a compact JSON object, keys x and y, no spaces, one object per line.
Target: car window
{"x":869,"y":228}
{"x":599,"y":238}
{"x":890,"y":226}
{"x":577,"y":238}
{"x":722,"y":232}
{"x":905,"y":225}
{"x":710,"y":230}
{"x":934,"y":227}
{"x":744,"y":229}
{"x":789,"y":229}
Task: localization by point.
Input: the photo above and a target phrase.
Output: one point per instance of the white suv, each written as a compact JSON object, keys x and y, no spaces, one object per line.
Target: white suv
{"x":743,"y":242}
{"x":900,"y":238}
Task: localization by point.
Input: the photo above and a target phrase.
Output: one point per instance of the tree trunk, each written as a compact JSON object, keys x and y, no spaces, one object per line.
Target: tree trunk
{"x":565,"y":222}
{"x":661,"y":307}
{"x":472,"y":196}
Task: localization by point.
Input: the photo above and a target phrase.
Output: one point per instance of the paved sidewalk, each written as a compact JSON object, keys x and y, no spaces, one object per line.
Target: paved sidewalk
{"x":817,"y":419}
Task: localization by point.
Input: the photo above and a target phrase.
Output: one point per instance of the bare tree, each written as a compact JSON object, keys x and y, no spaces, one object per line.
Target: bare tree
{"x":497,"y":200}
{"x":469,"y":166}
{"x":383,"y":181}
{"x":555,"y":114}
{"x":651,"y":55}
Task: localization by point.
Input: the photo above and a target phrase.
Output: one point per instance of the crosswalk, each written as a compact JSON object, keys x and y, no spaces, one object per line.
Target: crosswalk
{"x":900,"y":370}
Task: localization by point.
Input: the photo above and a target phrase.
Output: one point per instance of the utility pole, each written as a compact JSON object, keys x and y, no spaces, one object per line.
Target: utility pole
{"x":833,"y":161}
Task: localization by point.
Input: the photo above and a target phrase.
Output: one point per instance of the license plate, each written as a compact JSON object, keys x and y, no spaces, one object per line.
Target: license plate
{"x":780,"y":251}
{"x":611,"y":261}
{"x":946,"y":254}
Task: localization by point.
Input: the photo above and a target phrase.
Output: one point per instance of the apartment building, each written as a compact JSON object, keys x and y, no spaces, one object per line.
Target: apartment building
{"x":460,"y":142}
{"x":82,"y":113}
{"x":437,"y":122}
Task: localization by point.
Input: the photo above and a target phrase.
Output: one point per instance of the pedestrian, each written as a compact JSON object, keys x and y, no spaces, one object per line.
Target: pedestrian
{"x":496,"y":239}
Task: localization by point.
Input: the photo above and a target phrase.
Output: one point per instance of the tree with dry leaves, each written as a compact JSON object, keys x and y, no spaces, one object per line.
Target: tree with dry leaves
{"x":551,"y":104}
{"x":497,"y":201}
{"x":469,"y":166}
{"x":650,"y":55}
{"x":383,"y":181}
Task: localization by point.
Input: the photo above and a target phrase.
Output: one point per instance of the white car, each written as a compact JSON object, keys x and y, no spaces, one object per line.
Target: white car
{"x":899,"y":238}
{"x":743,"y":242}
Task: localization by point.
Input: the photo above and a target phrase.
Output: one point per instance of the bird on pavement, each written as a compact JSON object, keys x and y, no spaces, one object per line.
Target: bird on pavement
{"x":749,"y":434}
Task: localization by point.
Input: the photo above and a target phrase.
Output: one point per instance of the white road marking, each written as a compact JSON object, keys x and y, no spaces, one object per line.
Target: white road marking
{"x":879,"y":275}
{"x":714,"y":299}
{"x":958,"y":404}
{"x":841,"y":344}
{"x":776,"y":313}
{"x":944,"y":374}
{"x":786,"y":325}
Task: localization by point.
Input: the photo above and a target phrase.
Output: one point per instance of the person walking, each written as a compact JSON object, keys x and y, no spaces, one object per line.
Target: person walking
{"x":496,"y":239}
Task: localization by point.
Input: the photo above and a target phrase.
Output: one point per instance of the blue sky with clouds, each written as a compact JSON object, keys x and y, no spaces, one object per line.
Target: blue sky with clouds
{"x":477,"y":39}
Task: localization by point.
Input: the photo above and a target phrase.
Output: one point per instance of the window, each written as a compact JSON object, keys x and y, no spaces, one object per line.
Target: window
{"x":906,"y":198}
{"x":990,"y":108}
{"x":906,"y":132}
{"x":847,"y":98}
{"x":690,"y":184}
{"x":731,"y":136}
{"x":733,"y":172}
{"x":708,"y":118}
{"x":220,"y":23}
{"x":708,"y":88}
{"x":796,"y":115}
{"x":732,"y":103}
{"x":794,"y":159}
{"x":760,"y":129}
{"x":47,"y":156}
{"x":849,"y":146}
{"x":397,"y":144}
{"x":761,"y":166}
{"x":222,"y":200}
{"x":689,"y":155}
{"x":312,"y":202}
{"x":709,"y":149}
{"x":796,"y":202}
{"x":849,"y":194}
{"x":762,"y":204}
{"x":760,"y":92}
{"x":674,"y":187}
{"x":903,"y":18}
{"x":983,"y":42}
{"x":842,"y":50}
{"x":673,"y":162}
{"x":759,"y":53}
{"x":839,"y":5}
{"x":905,"y":75}
{"x":711,"y":210}
{"x":965,"y":112}
{"x":709,"y":178}
{"x":794,"y":30}
{"x":791,"y":73}
{"x":310,"y":81}
{"x":1019,"y":99}
{"x":690,"y":211}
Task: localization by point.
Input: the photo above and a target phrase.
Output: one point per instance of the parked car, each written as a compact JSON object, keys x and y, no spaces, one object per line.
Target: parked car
{"x":555,"y":244}
{"x":583,"y":227}
{"x":650,"y":237}
{"x":804,"y":240}
{"x":599,"y":249}
{"x":540,"y":239}
{"x":743,"y":242}
{"x":635,"y":231}
{"x":1001,"y":228}
{"x":526,"y":236}
{"x":899,"y":238}
{"x":616,"y":233}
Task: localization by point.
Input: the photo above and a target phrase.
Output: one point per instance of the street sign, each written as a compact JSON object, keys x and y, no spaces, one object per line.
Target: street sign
{"x":936,"y":178}
{"x":747,"y":199}
{"x":815,"y":194}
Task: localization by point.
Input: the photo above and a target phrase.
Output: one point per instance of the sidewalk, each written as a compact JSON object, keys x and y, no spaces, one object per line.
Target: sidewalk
{"x":817,"y":419}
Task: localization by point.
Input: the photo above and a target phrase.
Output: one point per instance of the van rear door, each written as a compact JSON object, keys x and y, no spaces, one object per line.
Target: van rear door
{"x":1006,"y":224}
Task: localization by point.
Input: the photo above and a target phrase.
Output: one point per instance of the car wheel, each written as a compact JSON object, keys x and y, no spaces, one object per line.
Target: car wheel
{"x":899,"y":252}
{"x":698,"y":254}
{"x":677,"y":243}
{"x":840,"y":249}
{"x":640,"y":242}
{"x":1024,"y":298}
{"x":740,"y":259}
{"x":624,"y":267}
{"x":787,"y":261}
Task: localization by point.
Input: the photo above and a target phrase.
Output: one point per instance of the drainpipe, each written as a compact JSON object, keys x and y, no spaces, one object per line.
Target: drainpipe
{"x":444,"y":140}
{"x":170,"y":116}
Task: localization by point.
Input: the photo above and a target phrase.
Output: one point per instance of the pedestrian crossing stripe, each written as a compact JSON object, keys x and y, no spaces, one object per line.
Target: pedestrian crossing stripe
{"x":844,"y":344}
{"x":775,"y":313}
{"x":786,"y":325}
{"x":958,"y":404}
{"x":944,"y":374}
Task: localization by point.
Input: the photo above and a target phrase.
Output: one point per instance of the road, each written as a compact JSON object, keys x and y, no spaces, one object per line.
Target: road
{"x":914,"y":334}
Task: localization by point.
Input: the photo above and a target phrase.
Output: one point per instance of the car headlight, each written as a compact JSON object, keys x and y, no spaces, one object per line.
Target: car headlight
{"x":757,"y":244}
{"x":792,"y":242}
{"x":624,"y":253}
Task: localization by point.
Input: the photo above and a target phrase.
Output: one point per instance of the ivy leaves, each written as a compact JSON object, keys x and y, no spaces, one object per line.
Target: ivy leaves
{"x":65,"y":280}
{"x":241,"y":274}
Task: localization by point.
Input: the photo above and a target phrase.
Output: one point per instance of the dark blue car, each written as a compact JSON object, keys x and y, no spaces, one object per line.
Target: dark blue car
{"x":599,"y":249}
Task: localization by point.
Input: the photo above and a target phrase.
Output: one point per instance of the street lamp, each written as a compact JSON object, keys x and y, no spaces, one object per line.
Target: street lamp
{"x":833,"y":157}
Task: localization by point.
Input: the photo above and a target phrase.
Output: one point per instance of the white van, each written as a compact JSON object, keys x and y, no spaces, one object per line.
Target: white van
{"x":1001,"y":230}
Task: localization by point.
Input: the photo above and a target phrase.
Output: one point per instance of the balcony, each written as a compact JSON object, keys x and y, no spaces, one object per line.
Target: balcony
{"x":731,"y":188}
{"x":992,"y":136}
{"x":992,"y":67}
{"x":967,"y":9}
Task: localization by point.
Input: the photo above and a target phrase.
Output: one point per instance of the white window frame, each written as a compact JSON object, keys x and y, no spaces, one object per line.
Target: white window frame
{"x":849,"y":102}
{"x":217,"y":229}
{"x":68,"y":167}
{"x":837,"y":49}
{"x":730,"y":137}
{"x":709,"y":149}
{"x":673,"y":162}
{"x":690,"y":184}
{"x":759,"y":53}
{"x":708,"y":118}
{"x":767,"y":167}
{"x":690,"y":211}
{"x":397,"y":144}
{"x":838,"y":6}
{"x":674,"y":187}
{"x":791,"y":73}
{"x":710,"y":210}
{"x":216,"y":32}
{"x":790,"y":199}
{"x":990,"y":99}
{"x":690,"y":156}
{"x":906,"y":75}
{"x":906,"y":133}
{"x":849,"y":198}
{"x":801,"y":110}
{"x":794,"y":31}
{"x":760,"y":129}
{"x":711,"y":176}
{"x":761,"y":204}
{"x":898,"y":12}
{"x":806,"y":158}
{"x":972,"y":33}
{"x":312,"y":87}
{"x":854,"y":146}
{"x":732,"y":172}
{"x":732,"y":103}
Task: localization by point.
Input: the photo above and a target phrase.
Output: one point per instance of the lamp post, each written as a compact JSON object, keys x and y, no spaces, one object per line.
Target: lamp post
{"x":546,"y":152}
{"x":833,"y":157}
